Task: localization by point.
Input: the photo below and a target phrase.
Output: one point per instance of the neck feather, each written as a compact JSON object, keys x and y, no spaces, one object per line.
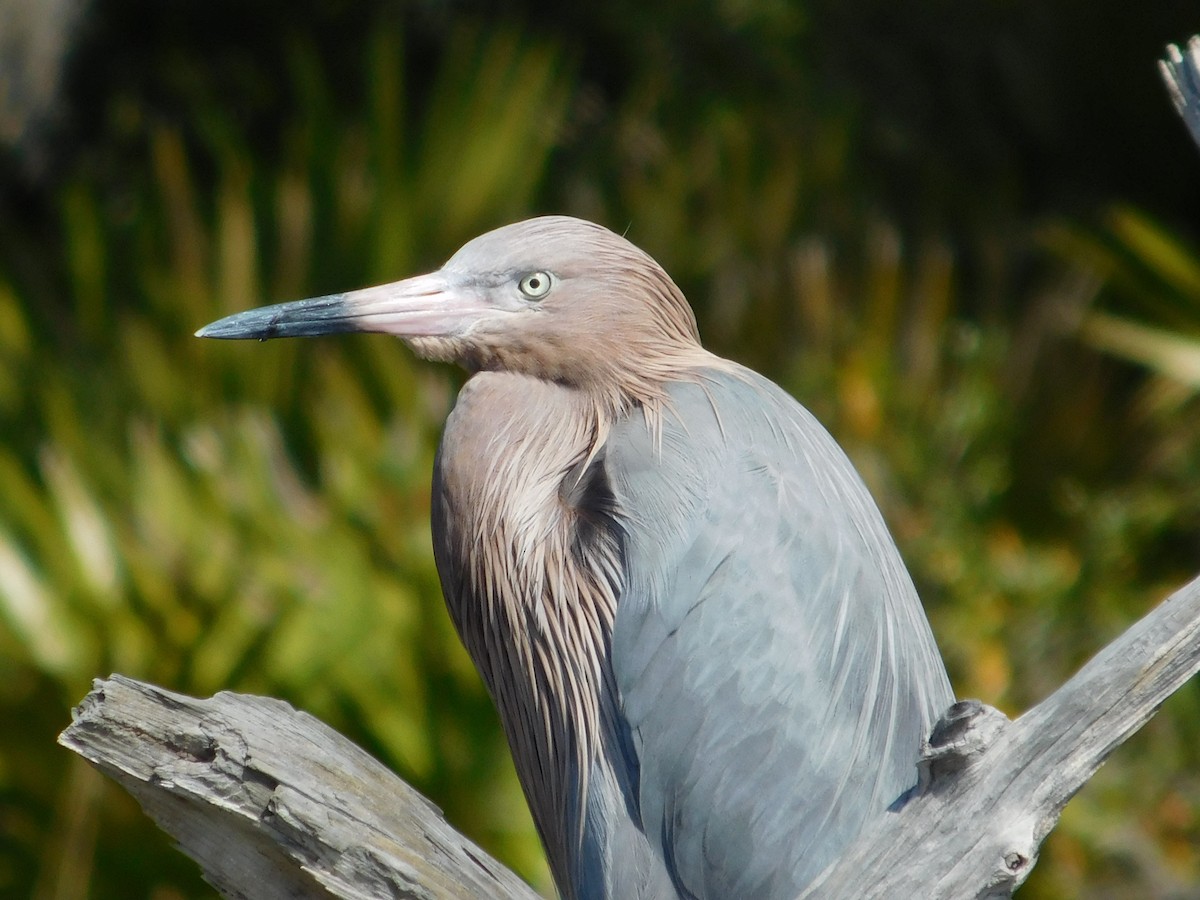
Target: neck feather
{"x":530,"y":561}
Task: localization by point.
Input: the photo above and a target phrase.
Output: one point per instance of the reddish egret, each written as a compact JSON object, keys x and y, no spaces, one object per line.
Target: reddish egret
{"x":708,"y":658}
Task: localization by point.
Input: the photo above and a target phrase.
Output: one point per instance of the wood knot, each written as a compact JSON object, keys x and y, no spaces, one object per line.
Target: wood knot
{"x":958,"y":739}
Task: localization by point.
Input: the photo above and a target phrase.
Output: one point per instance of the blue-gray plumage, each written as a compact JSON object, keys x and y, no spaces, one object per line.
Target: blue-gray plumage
{"x":710,"y":663}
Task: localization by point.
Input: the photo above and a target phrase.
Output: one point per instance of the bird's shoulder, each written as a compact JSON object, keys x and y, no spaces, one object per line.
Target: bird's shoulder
{"x":725,"y":437}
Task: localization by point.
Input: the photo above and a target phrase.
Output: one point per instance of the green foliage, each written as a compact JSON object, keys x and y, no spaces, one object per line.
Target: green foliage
{"x":230,"y":517}
{"x":217,"y":516}
{"x":1150,"y":273}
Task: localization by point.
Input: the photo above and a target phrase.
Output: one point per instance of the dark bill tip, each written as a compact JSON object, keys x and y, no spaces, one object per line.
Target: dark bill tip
{"x":302,"y":318}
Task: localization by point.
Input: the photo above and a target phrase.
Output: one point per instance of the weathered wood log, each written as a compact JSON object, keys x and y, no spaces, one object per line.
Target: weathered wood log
{"x":273,"y":803}
{"x":991,"y":790}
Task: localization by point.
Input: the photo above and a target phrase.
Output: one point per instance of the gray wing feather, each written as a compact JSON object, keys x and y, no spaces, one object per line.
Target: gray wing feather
{"x":775,"y":668}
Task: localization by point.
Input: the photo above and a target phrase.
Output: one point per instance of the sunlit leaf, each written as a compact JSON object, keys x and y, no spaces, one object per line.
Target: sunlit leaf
{"x":1166,"y":352}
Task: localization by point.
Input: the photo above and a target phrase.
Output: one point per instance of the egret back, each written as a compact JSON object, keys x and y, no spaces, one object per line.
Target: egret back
{"x":775,"y":668}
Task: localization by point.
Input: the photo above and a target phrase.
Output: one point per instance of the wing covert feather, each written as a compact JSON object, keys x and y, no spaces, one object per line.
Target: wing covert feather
{"x":775,"y":667}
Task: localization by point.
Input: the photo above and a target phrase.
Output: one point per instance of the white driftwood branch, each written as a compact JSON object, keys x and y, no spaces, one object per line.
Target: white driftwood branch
{"x":275,"y":804}
{"x":1181,"y":72}
{"x":991,"y":789}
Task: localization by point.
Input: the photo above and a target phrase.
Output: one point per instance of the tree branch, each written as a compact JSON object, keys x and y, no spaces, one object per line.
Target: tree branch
{"x":991,"y":790}
{"x":273,"y":803}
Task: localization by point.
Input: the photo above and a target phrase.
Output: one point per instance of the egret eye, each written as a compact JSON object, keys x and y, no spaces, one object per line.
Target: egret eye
{"x":535,"y":285}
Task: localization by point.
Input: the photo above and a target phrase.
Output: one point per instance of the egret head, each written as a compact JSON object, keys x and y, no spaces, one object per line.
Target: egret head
{"x":555,"y":297}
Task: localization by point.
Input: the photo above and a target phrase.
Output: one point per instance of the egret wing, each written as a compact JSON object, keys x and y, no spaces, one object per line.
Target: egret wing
{"x":775,"y":668}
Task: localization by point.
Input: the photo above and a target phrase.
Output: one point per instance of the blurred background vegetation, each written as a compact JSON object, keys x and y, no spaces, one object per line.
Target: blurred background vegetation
{"x":965,"y":234}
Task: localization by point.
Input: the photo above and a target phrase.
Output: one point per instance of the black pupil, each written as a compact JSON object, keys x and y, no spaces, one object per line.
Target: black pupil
{"x":535,"y":283}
